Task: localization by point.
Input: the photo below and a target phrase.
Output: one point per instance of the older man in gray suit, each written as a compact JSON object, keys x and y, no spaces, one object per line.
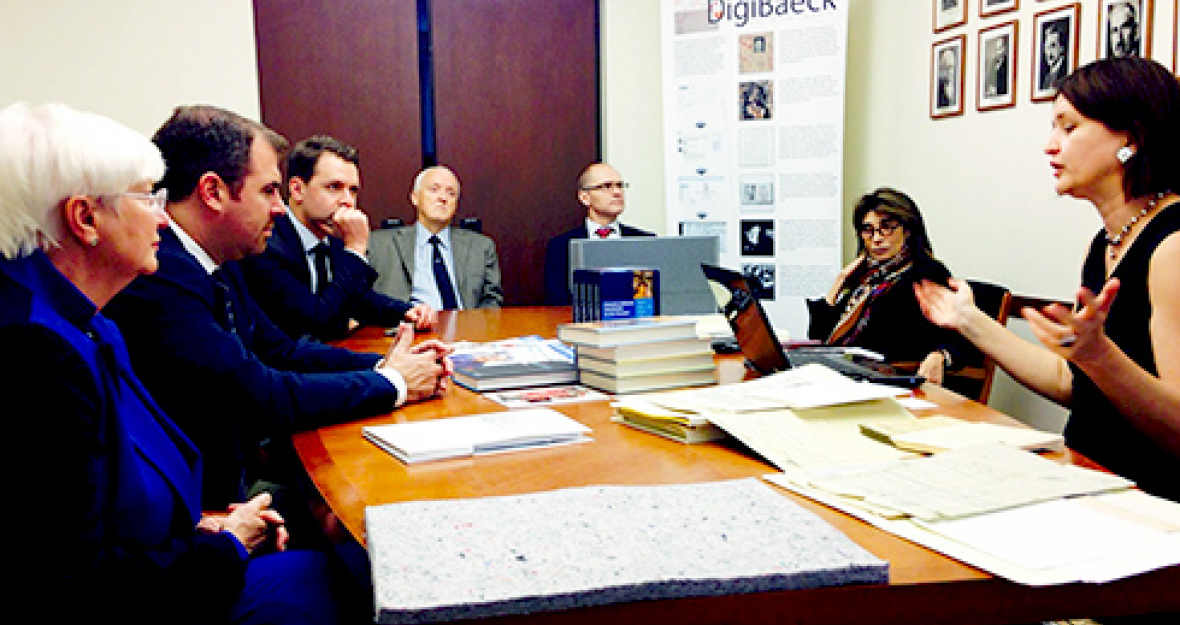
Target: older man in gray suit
{"x":431,"y":262}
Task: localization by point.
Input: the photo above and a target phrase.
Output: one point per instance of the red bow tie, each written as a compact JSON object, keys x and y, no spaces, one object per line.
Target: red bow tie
{"x":603,"y":232}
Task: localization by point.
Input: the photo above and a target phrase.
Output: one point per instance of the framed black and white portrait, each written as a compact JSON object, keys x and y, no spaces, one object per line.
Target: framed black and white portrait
{"x":1124,"y":28}
{"x":947,"y":63}
{"x":949,"y":13}
{"x":995,"y":7}
{"x":996,"y":87}
{"x":1055,"y":49}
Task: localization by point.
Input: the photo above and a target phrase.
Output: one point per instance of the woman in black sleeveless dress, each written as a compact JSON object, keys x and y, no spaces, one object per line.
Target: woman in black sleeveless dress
{"x":1114,"y":359}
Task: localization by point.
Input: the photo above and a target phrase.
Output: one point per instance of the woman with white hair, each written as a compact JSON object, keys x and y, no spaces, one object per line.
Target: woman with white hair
{"x":111,"y":484}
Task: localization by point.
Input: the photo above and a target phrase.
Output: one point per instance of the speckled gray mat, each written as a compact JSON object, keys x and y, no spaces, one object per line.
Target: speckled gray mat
{"x":442,"y":560}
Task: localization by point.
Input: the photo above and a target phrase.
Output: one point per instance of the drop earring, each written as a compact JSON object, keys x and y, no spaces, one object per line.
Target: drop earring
{"x":1124,"y":154}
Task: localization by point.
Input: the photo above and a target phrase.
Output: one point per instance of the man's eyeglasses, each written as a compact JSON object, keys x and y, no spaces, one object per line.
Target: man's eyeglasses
{"x":610,"y":185}
{"x":155,"y":201}
{"x":887,"y":228}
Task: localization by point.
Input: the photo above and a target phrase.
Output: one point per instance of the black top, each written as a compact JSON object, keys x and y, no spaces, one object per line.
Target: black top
{"x":1095,"y":427}
{"x":896,"y":328}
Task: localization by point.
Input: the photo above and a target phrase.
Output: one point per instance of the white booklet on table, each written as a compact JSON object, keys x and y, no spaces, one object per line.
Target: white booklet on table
{"x":455,"y":437}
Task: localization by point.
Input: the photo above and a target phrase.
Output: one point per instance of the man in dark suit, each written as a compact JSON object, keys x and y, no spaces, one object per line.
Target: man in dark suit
{"x":446,"y":268}
{"x":996,"y":81}
{"x":1054,"y":53}
{"x":600,"y":190}
{"x":1122,"y":27}
{"x":313,"y":279}
{"x":209,"y":355}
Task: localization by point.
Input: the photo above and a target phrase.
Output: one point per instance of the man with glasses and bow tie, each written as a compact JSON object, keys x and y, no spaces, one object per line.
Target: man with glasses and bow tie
{"x":430,"y":262}
{"x":601,"y":191}
{"x":314,"y":278}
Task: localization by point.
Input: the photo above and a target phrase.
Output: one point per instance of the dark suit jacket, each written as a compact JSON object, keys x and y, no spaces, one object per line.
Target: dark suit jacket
{"x":392,"y":253}
{"x":230,"y":389}
{"x":280,"y":281}
{"x":557,"y":261}
{"x":119,"y":501}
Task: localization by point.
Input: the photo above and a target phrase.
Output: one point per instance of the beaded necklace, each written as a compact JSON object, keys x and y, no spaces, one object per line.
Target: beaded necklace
{"x":1113,"y":242}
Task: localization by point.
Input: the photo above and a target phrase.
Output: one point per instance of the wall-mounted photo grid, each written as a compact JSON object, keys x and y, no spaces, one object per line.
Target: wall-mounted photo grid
{"x":1124,"y":28}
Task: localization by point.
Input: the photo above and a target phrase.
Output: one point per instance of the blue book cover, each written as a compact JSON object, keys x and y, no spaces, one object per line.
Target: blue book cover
{"x":616,"y":293}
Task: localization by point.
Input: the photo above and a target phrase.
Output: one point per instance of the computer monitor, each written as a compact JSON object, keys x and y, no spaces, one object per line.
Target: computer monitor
{"x":683,"y":287}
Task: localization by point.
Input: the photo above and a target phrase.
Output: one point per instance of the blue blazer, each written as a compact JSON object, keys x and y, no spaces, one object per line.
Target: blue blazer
{"x":557,"y":261}
{"x":231,"y":388}
{"x":114,"y":484}
{"x":280,"y":281}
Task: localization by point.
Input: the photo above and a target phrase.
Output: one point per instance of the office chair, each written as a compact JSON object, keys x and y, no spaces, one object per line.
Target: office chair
{"x":974,"y":378}
{"x":469,"y":223}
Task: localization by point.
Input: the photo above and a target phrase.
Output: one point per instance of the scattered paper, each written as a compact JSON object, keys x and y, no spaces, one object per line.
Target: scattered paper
{"x":968,"y":481}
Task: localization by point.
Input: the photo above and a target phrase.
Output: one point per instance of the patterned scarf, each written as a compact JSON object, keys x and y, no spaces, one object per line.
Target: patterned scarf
{"x":880,"y":278}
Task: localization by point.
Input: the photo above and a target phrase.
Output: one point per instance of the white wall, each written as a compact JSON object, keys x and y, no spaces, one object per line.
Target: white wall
{"x":132,"y":60}
{"x":632,"y":106}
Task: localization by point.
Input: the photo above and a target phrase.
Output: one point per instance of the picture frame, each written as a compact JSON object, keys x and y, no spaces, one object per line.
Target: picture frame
{"x":949,"y":13}
{"x":988,"y":8}
{"x":996,"y":67}
{"x":1055,"y":49}
{"x":948,"y":62}
{"x":1175,"y":35}
{"x":1124,"y":28}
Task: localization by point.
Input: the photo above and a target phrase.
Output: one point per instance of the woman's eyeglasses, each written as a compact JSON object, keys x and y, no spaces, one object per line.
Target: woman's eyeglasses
{"x":887,"y":228}
{"x":154,"y":201}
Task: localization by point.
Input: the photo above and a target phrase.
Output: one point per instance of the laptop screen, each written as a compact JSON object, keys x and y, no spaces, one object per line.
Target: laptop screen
{"x":751,"y":327}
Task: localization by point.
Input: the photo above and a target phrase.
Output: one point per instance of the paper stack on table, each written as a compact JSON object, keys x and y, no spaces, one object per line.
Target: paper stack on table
{"x":1009,"y":512}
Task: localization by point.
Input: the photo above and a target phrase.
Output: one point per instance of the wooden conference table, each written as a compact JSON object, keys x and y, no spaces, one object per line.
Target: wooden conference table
{"x":925,"y":587}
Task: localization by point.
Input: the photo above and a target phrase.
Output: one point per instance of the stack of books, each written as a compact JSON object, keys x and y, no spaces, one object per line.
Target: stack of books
{"x":616,"y":293}
{"x":513,"y":363}
{"x":634,"y":355}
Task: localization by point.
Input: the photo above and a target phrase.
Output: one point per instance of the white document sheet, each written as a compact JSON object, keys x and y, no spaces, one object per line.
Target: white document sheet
{"x":968,"y":481}
{"x":1064,"y":538}
{"x":811,"y":386}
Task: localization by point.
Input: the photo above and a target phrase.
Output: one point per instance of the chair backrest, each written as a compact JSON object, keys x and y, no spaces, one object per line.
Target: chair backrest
{"x":392,"y":222}
{"x":974,"y":378}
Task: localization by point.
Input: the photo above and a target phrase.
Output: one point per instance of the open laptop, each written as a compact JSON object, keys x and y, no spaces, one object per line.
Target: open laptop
{"x":762,"y":349}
